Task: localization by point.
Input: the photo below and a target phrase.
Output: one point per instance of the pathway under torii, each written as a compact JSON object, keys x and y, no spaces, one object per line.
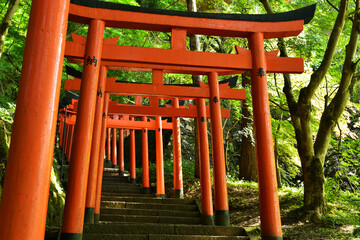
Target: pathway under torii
{"x":25,"y":194}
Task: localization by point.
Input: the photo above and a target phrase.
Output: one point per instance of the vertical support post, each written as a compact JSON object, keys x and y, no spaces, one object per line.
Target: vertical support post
{"x":268,"y":195}
{"x":145,"y":159}
{"x":121,"y":152}
{"x":71,"y":138}
{"x":25,"y":194}
{"x":101,"y":159}
{"x":132,"y":155}
{"x":207,"y":214}
{"x":108,"y":145}
{"x":160,"y":178}
{"x":67,"y":142}
{"x":95,"y":148}
{"x":73,"y":219}
{"x":114,"y":131}
{"x":178,"y":178}
{"x":221,"y":198}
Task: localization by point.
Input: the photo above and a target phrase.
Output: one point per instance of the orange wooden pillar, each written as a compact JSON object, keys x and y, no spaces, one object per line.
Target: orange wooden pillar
{"x":113,"y":152}
{"x":145,"y":160}
{"x":132,"y":155}
{"x":108,"y":145}
{"x":61,"y":132}
{"x":221,"y":199}
{"x":95,"y":149}
{"x":207,"y":214}
{"x":101,"y":159}
{"x":73,"y":219}
{"x":26,"y":189}
{"x":67,"y":142}
{"x":71,"y":138}
{"x":121,"y":152}
{"x":178,"y":180}
{"x":160,"y":179}
{"x":268,"y":195}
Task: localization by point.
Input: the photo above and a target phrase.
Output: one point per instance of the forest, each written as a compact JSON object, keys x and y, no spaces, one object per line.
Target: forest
{"x":315,"y":115}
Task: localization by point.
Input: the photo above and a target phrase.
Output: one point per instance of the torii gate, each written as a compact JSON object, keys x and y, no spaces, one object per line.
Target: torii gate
{"x":23,"y":212}
{"x":154,"y":109}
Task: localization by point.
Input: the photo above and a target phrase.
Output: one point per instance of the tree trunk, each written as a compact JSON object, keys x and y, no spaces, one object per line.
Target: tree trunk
{"x":276,"y":154}
{"x":5,"y":24}
{"x":247,"y":159}
{"x":312,"y":154}
{"x":195,"y":46}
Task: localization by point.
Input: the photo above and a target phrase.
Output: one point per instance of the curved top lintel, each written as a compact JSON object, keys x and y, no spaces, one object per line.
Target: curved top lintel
{"x":306,"y":13}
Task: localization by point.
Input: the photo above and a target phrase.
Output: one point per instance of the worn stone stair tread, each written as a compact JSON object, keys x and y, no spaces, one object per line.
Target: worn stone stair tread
{"x":106,"y":194}
{"x":157,"y":228}
{"x":157,"y":237}
{"x":149,"y":212}
{"x":139,"y":205}
{"x":150,"y":219}
{"x":150,"y":200}
{"x":122,"y":190}
{"x":120,"y":184}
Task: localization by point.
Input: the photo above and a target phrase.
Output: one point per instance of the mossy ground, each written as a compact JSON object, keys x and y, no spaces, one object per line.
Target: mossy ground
{"x":341,"y":220}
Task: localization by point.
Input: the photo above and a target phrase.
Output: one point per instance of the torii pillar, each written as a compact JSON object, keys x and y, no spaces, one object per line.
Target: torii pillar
{"x":268,"y":195}
{"x":178,"y":181}
{"x":73,"y":219}
{"x":95,"y":149}
{"x":101,"y":160}
{"x":113,"y":156}
{"x":207,"y":214}
{"x":121,"y":152}
{"x":145,"y":159}
{"x":132,"y":154}
{"x":222,"y":217}
{"x":26,"y":190}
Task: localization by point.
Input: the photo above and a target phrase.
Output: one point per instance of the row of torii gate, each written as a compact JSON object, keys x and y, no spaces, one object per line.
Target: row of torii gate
{"x":27,"y":180}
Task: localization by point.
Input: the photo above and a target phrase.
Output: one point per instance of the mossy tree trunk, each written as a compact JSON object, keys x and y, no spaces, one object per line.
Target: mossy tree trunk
{"x":195,"y":46}
{"x":247,"y":159}
{"x":6,"y":21}
{"x":312,"y":153}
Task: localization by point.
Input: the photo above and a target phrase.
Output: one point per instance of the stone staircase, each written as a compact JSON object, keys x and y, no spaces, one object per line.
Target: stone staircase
{"x":127,"y":213}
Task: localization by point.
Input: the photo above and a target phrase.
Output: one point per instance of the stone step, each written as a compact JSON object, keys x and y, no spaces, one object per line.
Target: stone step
{"x":168,"y":229}
{"x":114,"y":194}
{"x":147,"y":212}
{"x":138,"y":205}
{"x":158,"y":237}
{"x":150,"y":200}
{"x":121,"y":189}
{"x":150,"y":219}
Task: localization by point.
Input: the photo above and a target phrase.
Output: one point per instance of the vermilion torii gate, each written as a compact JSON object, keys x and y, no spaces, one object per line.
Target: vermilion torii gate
{"x":25,"y":195}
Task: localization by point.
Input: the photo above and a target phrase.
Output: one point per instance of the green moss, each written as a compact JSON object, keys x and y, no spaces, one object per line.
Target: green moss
{"x":4,"y":148}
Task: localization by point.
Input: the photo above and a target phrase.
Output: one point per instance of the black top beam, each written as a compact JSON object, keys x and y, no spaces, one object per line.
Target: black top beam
{"x":306,"y":13}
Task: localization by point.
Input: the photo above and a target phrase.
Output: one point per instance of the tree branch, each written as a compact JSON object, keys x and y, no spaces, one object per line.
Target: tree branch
{"x":332,"y":5}
{"x":337,"y":105}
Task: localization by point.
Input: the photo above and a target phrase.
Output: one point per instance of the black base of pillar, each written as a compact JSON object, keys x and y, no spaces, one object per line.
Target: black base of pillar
{"x":146,"y":190}
{"x":121,"y":173}
{"x":108,"y":162}
{"x":160,"y":195}
{"x":222,"y":218}
{"x":96,"y":218}
{"x":71,"y":236}
{"x":89,"y":215}
{"x":179,"y":193}
{"x":133,"y":180}
{"x":207,"y":220}
{"x":271,"y":238}
{"x":115,"y":166}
